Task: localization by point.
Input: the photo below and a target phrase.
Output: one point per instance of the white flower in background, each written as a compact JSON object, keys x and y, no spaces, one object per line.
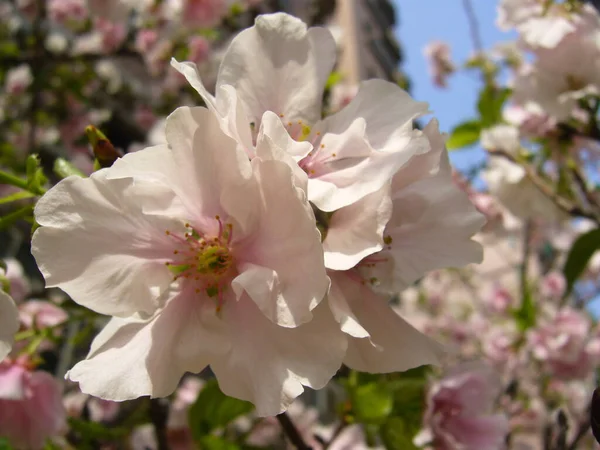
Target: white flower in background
{"x":279,"y":65}
{"x":18,"y":79}
{"x":501,"y":137}
{"x":509,"y":183}
{"x":9,"y":323}
{"x":203,"y":258}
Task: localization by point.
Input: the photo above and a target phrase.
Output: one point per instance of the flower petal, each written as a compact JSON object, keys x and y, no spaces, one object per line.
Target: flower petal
{"x":356,"y":231}
{"x":286,"y":227}
{"x":278,"y":65}
{"x":394,"y":345}
{"x":133,"y":357}
{"x":269,"y":365}
{"x":9,"y":323}
{"x":98,"y":244}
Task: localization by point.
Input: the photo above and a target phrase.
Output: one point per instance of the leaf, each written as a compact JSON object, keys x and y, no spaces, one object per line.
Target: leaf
{"x":216,"y":443}
{"x":409,"y":399}
{"x":464,"y":134}
{"x":372,"y":403}
{"x":64,"y":169}
{"x":525,"y":315}
{"x":5,"y":444}
{"x":16,"y":196}
{"x":213,"y":409}
{"x":396,"y":436}
{"x":579,"y":256}
{"x":491,"y":101}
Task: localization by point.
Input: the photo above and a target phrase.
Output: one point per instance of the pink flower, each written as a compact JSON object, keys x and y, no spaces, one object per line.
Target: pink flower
{"x":31,"y":409}
{"x":18,"y":79}
{"x":19,"y":283}
{"x":499,"y":300}
{"x":440,"y":62}
{"x":565,"y":346}
{"x":145,"y":40}
{"x":67,"y":11}
{"x":202,"y":258}
{"x":199,"y":49}
{"x":553,"y":285}
{"x":203,"y":13}
{"x":99,"y":410}
{"x":459,"y":412}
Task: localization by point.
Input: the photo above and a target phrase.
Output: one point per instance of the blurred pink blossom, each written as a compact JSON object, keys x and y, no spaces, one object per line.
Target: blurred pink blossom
{"x":459,"y":412}
{"x":31,"y":408}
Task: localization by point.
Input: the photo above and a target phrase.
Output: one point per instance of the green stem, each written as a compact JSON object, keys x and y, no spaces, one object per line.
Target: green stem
{"x":7,"y":178}
{"x":9,"y":219}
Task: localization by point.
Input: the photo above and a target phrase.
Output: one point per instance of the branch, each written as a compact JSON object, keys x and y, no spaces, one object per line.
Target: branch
{"x":159,"y":413}
{"x":292,"y":432}
{"x":473,"y":26}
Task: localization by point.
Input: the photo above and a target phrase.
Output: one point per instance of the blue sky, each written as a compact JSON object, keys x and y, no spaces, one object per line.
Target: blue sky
{"x":422,"y":21}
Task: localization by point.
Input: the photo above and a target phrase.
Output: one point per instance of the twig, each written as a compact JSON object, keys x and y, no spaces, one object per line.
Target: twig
{"x":159,"y":413}
{"x":292,"y":432}
{"x":473,"y":26}
{"x":562,"y":203}
{"x":527,"y":232}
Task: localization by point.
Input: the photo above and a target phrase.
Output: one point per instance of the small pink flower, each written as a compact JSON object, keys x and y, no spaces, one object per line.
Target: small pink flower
{"x":31,"y":408}
{"x":553,"y":285}
{"x":199,"y":48}
{"x":113,"y":34}
{"x":563,"y":344}
{"x":440,"y":62}
{"x":18,"y":79}
{"x":145,"y":40}
{"x":19,"y":284}
{"x":499,"y":300}
{"x":459,"y":412}
{"x":203,"y":13}
{"x":67,"y":11}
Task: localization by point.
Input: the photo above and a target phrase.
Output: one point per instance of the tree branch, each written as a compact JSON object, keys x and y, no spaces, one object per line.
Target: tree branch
{"x":292,"y":432}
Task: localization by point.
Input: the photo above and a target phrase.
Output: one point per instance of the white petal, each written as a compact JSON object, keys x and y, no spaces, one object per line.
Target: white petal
{"x":278,"y":65}
{"x":393,"y":345}
{"x":9,"y":323}
{"x":98,"y":244}
{"x":340,"y":309}
{"x":384,"y":107}
{"x":269,"y":365}
{"x":356,"y":231}
{"x":287,"y":242}
{"x":133,"y":357}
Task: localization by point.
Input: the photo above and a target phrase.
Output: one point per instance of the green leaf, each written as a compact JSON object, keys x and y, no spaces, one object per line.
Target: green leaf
{"x":213,"y":409}
{"x":491,"y":101}
{"x":216,"y":443}
{"x":525,"y":315}
{"x":64,"y":169}
{"x":5,"y":444}
{"x":93,"y":430}
{"x":16,"y":196}
{"x":579,"y":256}
{"x":396,"y":436}
{"x":464,"y":134}
{"x":372,"y":403}
{"x":409,"y":399}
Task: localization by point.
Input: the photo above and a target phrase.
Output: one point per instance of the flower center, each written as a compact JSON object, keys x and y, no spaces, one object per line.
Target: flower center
{"x":205,"y":261}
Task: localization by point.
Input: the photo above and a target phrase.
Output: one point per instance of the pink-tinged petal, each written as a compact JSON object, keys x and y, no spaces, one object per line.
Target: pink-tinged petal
{"x":268,"y":364}
{"x":394,"y":345}
{"x":431,"y":226}
{"x":28,"y":422}
{"x":98,"y":244}
{"x":227,"y":108}
{"x":9,"y":323}
{"x":12,"y":381}
{"x":274,"y":143}
{"x":286,"y":226}
{"x":278,"y":65}
{"x":388,"y":112}
{"x":133,"y":357}
{"x":211,"y":168}
{"x":345,"y":167}
{"x":340,"y":308}
{"x":356,"y":231}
